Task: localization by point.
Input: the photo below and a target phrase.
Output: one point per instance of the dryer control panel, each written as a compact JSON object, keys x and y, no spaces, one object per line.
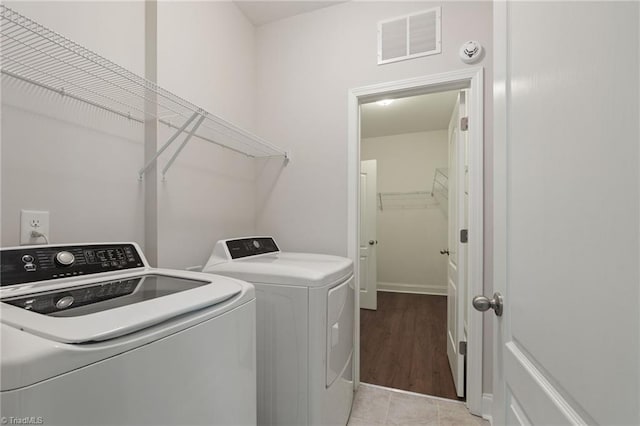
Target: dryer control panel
{"x":24,"y":265}
{"x":244,"y":247}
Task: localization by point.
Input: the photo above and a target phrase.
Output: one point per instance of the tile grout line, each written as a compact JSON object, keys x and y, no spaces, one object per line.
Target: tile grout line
{"x":386,"y":416}
{"x":351,"y":416}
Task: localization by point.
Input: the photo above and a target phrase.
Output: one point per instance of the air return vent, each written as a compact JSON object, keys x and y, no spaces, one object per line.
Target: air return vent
{"x":409,"y":36}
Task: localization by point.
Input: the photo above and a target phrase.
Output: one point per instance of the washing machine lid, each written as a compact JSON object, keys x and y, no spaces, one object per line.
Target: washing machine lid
{"x":286,"y":268}
{"x":103,"y":309}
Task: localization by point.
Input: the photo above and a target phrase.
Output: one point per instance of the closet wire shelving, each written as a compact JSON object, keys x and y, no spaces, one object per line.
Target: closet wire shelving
{"x":418,"y":199}
{"x":37,"y":55}
{"x":405,"y":200}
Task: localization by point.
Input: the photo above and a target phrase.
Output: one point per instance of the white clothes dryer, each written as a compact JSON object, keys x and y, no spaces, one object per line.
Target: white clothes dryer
{"x":305,"y":329}
{"x":92,"y":335}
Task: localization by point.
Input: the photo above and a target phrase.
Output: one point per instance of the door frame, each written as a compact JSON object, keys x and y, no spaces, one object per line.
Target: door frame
{"x":473,"y":79}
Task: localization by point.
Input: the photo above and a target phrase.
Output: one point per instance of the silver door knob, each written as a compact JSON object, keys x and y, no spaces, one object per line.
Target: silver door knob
{"x":482,"y":303}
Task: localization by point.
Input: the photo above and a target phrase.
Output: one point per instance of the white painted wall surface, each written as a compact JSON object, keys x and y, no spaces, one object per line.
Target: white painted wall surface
{"x":410,"y":239}
{"x":78,"y":162}
{"x":306,"y":65}
{"x":206,"y":54}
{"x":81,"y":164}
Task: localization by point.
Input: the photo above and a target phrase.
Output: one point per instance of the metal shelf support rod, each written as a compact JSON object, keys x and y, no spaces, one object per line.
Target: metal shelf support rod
{"x":166,"y":145}
{"x":184,"y":143}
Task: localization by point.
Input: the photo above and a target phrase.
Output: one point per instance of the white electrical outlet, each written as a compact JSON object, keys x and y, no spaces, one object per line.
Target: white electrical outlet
{"x":32,"y":220}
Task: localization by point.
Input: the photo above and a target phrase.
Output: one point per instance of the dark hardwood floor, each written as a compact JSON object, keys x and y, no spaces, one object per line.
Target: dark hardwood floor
{"x":403,"y":344}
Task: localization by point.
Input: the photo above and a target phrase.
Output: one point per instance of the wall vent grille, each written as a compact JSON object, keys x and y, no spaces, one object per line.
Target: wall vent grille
{"x":409,"y":36}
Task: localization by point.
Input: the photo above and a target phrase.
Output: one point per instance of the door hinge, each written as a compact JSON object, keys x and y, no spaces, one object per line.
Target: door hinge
{"x":464,"y":123}
{"x":462,"y":348}
{"x":464,"y":235}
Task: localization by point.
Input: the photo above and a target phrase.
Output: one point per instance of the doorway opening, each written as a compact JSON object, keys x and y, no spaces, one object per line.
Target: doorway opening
{"x":408,"y":201}
{"x":408,"y":253}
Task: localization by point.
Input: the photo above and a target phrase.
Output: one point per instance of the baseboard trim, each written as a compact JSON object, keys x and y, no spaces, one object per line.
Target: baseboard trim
{"x":433,"y":290}
{"x":487,"y":406}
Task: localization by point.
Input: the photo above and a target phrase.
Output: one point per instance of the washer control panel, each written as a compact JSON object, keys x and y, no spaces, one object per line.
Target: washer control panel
{"x":245,"y":247}
{"x":25,"y":265}
{"x":55,"y":302}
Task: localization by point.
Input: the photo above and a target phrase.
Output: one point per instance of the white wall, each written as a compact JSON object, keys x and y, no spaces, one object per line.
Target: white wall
{"x":411,"y":232}
{"x":77,"y":162}
{"x":81,"y":164}
{"x":306,"y":65}
{"x":206,"y":54}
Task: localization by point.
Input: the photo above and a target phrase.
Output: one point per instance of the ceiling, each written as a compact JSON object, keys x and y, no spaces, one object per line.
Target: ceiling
{"x":263,"y":12}
{"x":421,"y":113}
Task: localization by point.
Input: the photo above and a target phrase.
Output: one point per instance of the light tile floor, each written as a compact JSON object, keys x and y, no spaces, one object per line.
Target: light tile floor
{"x":374,"y":405}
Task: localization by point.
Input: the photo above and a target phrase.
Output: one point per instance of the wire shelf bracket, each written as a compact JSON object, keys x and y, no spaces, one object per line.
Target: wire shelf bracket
{"x":440,"y":183}
{"x":184,"y":143}
{"x":170,"y":141}
{"x":32,"y":53}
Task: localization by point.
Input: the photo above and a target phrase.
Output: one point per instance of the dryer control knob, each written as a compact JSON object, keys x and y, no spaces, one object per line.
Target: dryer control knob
{"x":65,"y":258}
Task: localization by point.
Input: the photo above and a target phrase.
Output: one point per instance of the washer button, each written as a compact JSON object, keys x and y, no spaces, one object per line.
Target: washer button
{"x":64,"y":302}
{"x":27,"y":258}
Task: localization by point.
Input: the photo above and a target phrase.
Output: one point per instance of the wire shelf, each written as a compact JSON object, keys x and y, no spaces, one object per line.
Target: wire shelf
{"x":35,"y":54}
{"x":405,"y":200}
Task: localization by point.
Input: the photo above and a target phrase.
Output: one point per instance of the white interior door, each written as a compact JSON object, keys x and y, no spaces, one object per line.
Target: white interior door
{"x":456,"y":276}
{"x":368,"y":238}
{"x":567,"y":213}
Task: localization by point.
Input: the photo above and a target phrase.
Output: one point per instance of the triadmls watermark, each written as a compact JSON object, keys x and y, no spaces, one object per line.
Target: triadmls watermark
{"x":27,"y":420}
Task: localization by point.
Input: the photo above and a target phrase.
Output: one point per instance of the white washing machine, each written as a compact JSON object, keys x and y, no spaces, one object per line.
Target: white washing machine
{"x":305,"y":305}
{"x":91,"y":335}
